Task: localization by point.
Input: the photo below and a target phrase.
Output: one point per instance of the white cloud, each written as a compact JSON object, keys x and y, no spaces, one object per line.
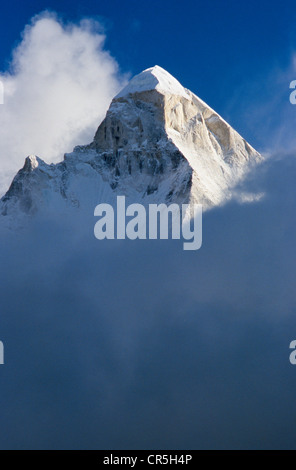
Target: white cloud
{"x":56,"y":92}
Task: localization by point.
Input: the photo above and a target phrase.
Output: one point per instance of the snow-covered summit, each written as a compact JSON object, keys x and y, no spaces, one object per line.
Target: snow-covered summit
{"x":154,"y":78}
{"x":158,"y":143}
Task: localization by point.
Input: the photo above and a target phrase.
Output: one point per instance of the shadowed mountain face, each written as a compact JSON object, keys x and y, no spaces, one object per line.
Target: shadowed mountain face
{"x":158,"y":143}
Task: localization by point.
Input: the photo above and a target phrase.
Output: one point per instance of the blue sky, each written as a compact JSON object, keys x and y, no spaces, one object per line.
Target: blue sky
{"x":239,"y":57}
{"x":221,"y":50}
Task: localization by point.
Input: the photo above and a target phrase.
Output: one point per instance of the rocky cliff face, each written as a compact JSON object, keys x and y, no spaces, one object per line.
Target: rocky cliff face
{"x":158,"y":143}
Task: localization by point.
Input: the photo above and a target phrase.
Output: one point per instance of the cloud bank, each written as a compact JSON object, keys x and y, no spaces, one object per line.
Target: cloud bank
{"x":127,"y":345}
{"x":56,"y":92}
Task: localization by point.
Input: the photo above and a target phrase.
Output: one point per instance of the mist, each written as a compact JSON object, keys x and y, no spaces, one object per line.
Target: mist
{"x":141,"y":345}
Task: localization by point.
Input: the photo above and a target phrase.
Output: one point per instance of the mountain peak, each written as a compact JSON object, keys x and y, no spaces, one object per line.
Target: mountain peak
{"x":158,"y":143}
{"x":31,"y":163}
{"x":154,"y":78}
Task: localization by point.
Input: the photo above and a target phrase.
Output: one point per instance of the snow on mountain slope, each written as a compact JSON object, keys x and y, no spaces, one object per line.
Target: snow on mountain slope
{"x":158,"y":143}
{"x":154,"y":78}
